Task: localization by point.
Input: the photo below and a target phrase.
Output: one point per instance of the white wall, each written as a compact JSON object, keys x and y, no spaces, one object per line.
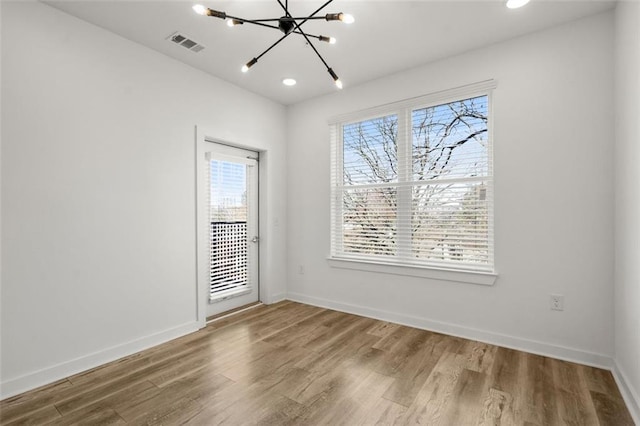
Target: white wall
{"x":627,"y":201}
{"x":98,"y":192}
{"x":554,"y":204}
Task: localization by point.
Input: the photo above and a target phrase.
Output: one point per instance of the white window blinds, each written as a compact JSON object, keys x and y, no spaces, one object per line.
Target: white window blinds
{"x":414,"y":185}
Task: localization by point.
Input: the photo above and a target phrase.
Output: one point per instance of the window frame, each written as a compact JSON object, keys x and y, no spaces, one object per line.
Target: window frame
{"x":404,"y":111}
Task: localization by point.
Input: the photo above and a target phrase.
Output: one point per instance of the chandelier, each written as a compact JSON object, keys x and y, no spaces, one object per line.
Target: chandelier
{"x":288,"y":25}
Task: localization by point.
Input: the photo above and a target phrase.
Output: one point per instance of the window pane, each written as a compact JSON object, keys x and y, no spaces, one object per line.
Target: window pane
{"x":369,"y":221}
{"x":370,"y":151}
{"x":450,"y":140}
{"x":228,"y":191}
{"x":450,"y":223}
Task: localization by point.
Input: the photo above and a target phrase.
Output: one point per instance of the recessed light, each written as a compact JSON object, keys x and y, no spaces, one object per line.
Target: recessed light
{"x":514,"y":4}
{"x":288,"y":82}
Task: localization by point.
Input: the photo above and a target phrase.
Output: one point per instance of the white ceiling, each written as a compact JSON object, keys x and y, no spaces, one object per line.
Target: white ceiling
{"x":387,"y":36}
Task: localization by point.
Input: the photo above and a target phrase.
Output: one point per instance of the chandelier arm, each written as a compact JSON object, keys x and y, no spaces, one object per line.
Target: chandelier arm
{"x":250,"y":21}
{"x":308,"y":35}
{"x":263,"y":20}
{"x":274,"y":27}
{"x":316,"y":50}
{"x":285,"y":8}
{"x":303,"y":33}
{"x":320,"y":8}
{"x":311,"y":44}
{"x":311,"y":16}
{"x":272,"y":46}
{"x":260,"y":23}
{"x":329,"y":69}
{"x":288,"y":18}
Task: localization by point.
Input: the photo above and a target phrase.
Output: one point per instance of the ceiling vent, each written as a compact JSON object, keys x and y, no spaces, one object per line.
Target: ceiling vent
{"x":185,"y":41}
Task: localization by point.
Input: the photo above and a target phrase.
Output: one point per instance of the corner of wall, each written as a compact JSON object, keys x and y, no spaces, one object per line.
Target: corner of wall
{"x":631,"y":398}
{"x":627,"y":203}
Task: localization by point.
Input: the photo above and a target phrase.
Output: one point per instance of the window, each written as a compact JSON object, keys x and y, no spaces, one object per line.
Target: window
{"x":412,"y":183}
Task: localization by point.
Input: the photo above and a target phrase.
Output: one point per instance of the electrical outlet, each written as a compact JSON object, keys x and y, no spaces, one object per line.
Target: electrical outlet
{"x":301,"y":269}
{"x":556,"y":302}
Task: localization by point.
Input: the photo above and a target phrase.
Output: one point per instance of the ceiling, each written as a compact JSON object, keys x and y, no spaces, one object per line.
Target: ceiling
{"x":387,"y":36}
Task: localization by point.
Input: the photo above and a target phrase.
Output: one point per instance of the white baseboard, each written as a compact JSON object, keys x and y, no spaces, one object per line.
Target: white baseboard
{"x":48,"y":375}
{"x":279,"y":297}
{"x":526,"y":345}
{"x":630,"y":395}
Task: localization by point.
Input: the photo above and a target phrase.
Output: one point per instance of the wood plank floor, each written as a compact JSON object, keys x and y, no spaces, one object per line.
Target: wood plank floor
{"x":294,"y":364}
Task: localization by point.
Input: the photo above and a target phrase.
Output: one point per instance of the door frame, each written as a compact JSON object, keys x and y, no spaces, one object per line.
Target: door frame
{"x":203,"y":144}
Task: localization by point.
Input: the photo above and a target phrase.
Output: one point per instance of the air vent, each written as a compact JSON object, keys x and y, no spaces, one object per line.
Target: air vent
{"x":185,"y":41}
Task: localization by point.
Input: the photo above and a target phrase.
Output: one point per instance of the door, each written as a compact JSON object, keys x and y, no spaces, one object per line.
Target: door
{"x":233,"y":228}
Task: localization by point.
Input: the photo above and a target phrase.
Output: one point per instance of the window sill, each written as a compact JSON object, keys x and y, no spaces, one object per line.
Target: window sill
{"x":470,"y":277}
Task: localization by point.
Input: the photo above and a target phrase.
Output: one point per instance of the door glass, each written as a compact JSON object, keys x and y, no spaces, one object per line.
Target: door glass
{"x":229,"y":269}
{"x":233,"y":231}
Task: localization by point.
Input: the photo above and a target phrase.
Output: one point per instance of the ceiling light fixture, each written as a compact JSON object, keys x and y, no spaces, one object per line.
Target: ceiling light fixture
{"x":287,"y":24}
{"x":514,"y":4}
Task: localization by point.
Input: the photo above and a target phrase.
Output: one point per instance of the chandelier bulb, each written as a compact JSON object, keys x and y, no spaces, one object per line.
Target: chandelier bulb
{"x":248,"y":65}
{"x":329,"y":40}
{"x":233,"y":22}
{"x":335,"y":78}
{"x":200,"y":9}
{"x":205,"y":11}
{"x":346,"y":18}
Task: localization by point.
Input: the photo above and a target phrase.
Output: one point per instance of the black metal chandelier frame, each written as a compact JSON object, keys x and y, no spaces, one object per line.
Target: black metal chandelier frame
{"x":288,"y":25}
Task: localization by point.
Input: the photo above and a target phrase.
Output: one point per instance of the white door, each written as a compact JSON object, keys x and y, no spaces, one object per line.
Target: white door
{"x":233,"y":228}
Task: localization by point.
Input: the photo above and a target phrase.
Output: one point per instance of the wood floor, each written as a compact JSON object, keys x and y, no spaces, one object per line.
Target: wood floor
{"x":296,"y":364}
